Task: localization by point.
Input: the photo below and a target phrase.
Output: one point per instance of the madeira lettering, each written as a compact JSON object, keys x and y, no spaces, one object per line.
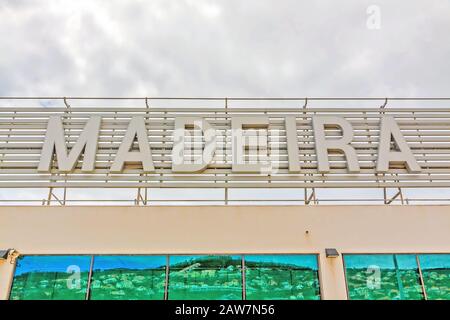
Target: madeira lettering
{"x":135,"y":146}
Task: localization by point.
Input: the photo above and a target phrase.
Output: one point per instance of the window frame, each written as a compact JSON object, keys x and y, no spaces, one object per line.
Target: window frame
{"x":167,"y":268}
{"x":416,"y":255}
{"x":317,"y":256}
{"x":14,"y":269}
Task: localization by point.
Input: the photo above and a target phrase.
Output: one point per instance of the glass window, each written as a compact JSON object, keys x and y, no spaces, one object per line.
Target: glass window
{"x":128,"y":278}
{"x":51,"y":278}
{"x":205,"y":278}
{"x":436,"y":275}
{"x":282,"y":277}
{"x":383,"y":277}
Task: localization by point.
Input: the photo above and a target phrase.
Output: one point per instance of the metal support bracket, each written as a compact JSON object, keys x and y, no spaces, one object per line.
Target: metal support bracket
{"x":51,"y":195}
{"x":311,"y":197}
{"x":392,"y":199}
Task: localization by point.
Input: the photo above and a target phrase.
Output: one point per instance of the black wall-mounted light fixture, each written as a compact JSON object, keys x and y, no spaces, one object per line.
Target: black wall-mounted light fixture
{"x":331,"y":253}
{"x":4,"y":254}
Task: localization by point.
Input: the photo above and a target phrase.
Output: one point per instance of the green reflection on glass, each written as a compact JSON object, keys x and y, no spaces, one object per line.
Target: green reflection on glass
{"x":205,"y":278}
{"x":383,"y":277}
{"x":128,"y":278}
{"x":280,"y":277}
{"x":50,"y":278}
{"x":436,"y":275}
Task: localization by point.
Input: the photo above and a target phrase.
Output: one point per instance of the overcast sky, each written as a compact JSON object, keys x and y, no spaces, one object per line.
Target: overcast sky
{"x":224,"y":48}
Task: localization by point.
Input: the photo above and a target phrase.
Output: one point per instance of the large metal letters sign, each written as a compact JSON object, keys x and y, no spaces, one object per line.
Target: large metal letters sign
{"x":219,"y":148}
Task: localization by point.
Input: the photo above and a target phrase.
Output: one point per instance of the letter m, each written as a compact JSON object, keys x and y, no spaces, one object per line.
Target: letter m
{"x":55,"y":142}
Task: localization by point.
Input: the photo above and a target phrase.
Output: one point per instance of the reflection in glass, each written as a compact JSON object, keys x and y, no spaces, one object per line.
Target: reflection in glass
{"x":282,"y":277}
{"x":128,"y":278}
{"x":205,"y":278}
{"x":436,"y":275}
{"x":50,"y":278}
{"x":383,"y":277}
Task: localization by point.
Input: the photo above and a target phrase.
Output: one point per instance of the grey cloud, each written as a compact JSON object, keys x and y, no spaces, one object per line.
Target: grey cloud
{"x":223,"y":48}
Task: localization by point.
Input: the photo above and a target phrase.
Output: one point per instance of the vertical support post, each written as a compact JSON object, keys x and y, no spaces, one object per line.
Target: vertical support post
{"x":164,"y":145}
{"x":145,"y":189}
{"x":88,"y":286}
{"x":399,"y":189}
{"x":69,"y":111}
{"x":139,"y":197}
{"x":422,"y":282}
{"x":400,"y":193}
{"x":166,"y":284}
{"x":399,"y":280}
{"x":64,"y":196}
{"x":311,"y":197}
{"x":382,"y":113}
{"x":421,"y":143}
{"x":49,"y":196}
{"x":308,"y":198}
{"x":225,"y":149}
{"x":244,"y":280}
{"x":7,"y":137}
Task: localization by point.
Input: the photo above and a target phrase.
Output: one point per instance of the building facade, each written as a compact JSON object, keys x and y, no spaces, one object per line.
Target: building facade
{"x":302,"y":249}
